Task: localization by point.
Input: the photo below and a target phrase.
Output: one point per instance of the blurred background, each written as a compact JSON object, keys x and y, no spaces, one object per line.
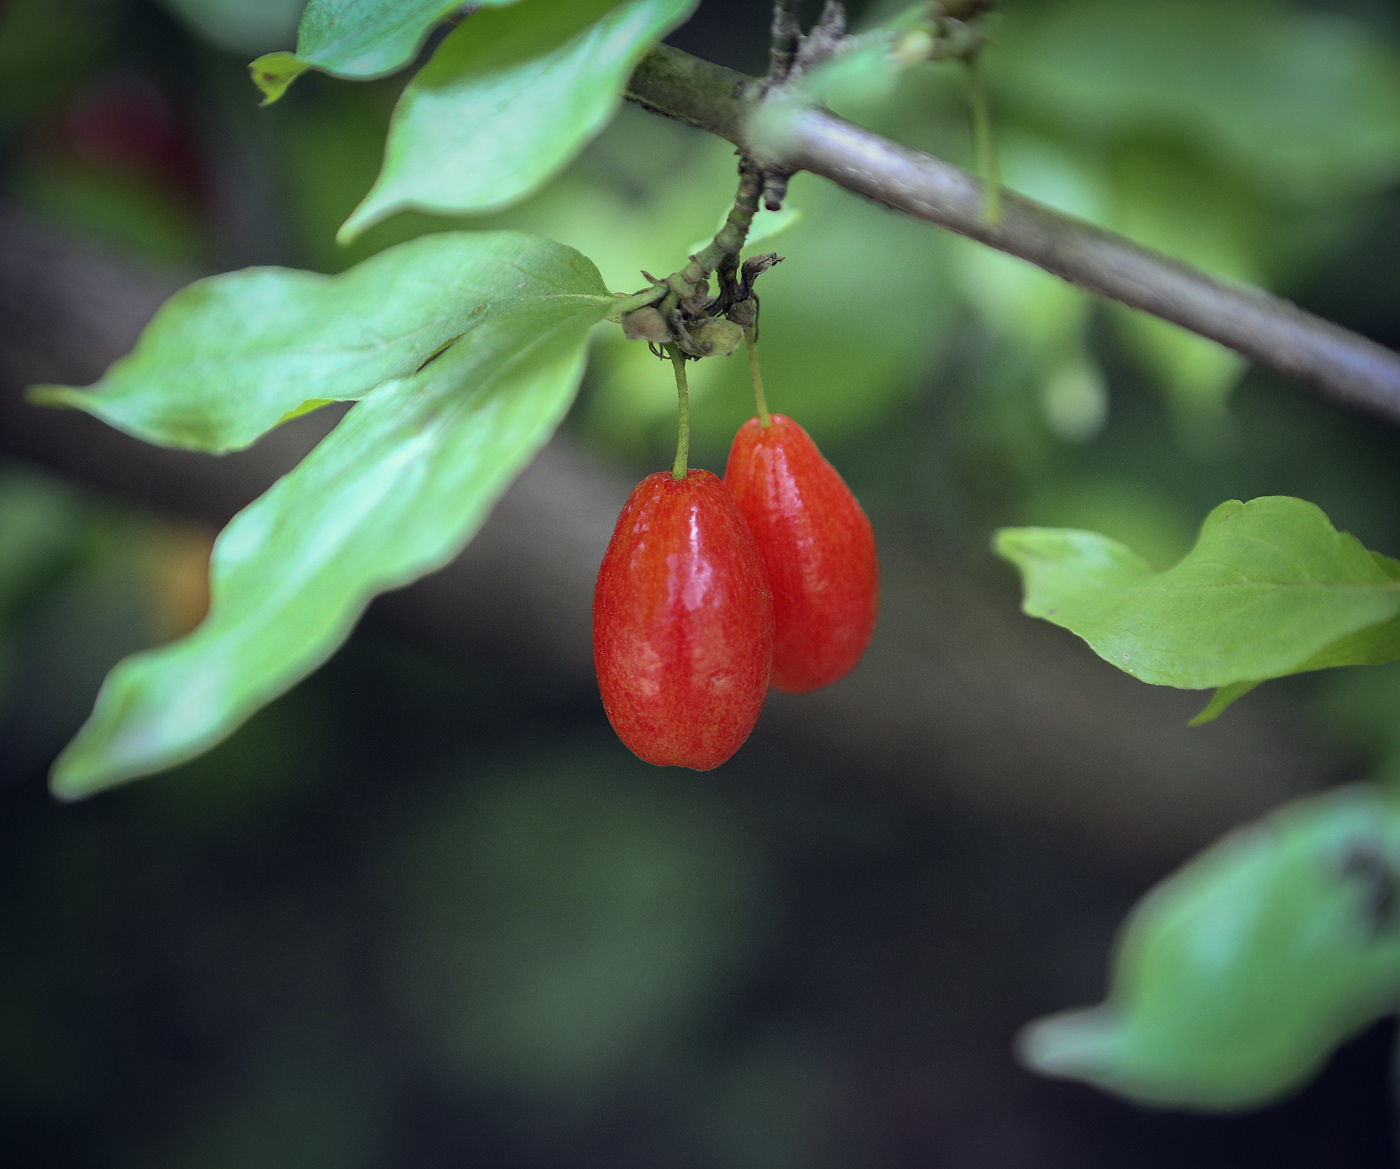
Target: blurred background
{"x":425,"y":910}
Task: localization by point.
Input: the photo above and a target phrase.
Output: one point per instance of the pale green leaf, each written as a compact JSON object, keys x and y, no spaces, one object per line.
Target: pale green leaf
{"x":1271,"y":588}
{"x":1236,"y":977}
{"x":354,"y":38}
{"x":509,"y":98}
{"x":394,"y":492}
{"x":229,"y":357}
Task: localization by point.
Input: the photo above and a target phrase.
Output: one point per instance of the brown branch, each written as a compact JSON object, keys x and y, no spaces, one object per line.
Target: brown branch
{"x":1262,"y":327}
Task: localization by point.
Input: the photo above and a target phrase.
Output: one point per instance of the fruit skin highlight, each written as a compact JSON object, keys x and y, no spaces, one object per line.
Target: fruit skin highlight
{"x":818,"y":547}
{"x":682,"y":623}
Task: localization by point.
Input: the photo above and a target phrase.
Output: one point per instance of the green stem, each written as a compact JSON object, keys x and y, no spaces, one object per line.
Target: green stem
{"x":984,"y":144}
{"x":679,"y":469}
{"x":764,"y":418}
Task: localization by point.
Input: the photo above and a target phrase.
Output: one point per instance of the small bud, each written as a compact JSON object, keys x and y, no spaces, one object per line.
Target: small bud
{"x":646,"y":324}
{"x":718,"y":338}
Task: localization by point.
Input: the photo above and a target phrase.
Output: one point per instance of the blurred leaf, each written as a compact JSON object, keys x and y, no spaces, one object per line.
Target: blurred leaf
{"x":1197,"y":373}
{"x":121,"y":207}
{"x":1303,"y":101}
{"x":1040,"y":313}
{"x":240,"y":26}
{"x":46,"y":48}
{"x":353,"y":38}
{"x":1180,"y":208}
{"x":509,"y":98}
{"x":1358,"y":708}
{"x":1074,"y":399}
{"x":566,"y":922}
{"x":250,"y":781}
{"x":1271,"y":588}
{"x":40,"y":520}
{"x":765,"y":225}
{"x":867,"y":71}
{"x":394,"y":492}
{"x":774,"y":1099}
{"x":300,"y":1097}
{"x":1236,"y":977}
{"x":231,"y":356}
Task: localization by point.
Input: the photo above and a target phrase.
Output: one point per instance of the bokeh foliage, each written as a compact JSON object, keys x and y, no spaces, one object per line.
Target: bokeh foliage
{"x":555,"y":933}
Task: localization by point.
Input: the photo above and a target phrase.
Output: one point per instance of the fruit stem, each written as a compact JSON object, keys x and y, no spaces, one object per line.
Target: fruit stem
{"x":984,"y":145}
{"x":764,"y":418}
{"x":679,"y":469}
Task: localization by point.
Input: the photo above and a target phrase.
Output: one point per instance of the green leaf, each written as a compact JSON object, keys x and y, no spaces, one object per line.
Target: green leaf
{"x":1271,"y":588}
{"x":508,"y":99}
{"x":394,"y":492}
{"x":1236,"y":977}
{"x":358,"y":39}
{"x":230,"y":357}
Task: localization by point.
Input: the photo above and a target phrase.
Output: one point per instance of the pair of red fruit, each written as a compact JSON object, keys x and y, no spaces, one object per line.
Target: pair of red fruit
{"x":711,"y":588}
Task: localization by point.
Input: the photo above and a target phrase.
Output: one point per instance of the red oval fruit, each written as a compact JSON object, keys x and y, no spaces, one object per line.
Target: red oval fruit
{"x":818,"y":547}
{"x":682,"y":623}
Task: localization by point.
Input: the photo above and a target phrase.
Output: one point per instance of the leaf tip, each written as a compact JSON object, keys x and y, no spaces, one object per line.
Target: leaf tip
{"x":58,"y":396}
{"x":72,"y":780}
{"x":1224,"y":697}
{"x":1009,"y":543}
{"x":364,"y":216}
{"x":273,"y":72}
{"x":1070,"y":1045}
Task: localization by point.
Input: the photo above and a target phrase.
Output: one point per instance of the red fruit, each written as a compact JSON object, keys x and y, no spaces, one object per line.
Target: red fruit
{"x":818,"y":547}
{"x":682,"y":623}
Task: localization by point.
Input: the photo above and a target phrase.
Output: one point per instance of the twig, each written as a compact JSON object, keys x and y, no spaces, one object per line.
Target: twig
{"x":786,"y":32}
{"x":1262,"y":327}
{"x":722,"y":252}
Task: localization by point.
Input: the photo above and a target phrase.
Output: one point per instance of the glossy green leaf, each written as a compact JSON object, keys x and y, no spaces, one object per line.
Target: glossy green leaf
{"x":1236,"y":977}
{"x":507,"y":100}
{"x":354,"y":38}
{"x":394,"y":492}
{"x":230,"y":357}
{"x":1270,"y":588}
